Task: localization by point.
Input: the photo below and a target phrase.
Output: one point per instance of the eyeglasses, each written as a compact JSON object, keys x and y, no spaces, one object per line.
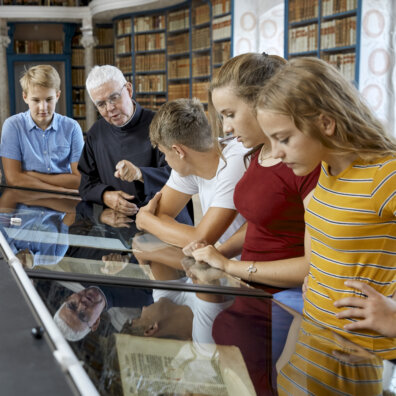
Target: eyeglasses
{"x":112,"y":99}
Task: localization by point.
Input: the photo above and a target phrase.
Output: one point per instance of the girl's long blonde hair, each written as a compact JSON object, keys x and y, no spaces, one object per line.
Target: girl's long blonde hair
{"x":305,"y":88}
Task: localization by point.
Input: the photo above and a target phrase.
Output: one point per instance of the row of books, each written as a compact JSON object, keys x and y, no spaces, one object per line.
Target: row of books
{"x":144,"y":23}
{"x":78,"y":77}
{"x":300,"y":10}
{"x":220,"y":7}
{"x":65,"y":3}
{"x":330,"y":7}
{"x":79,"y":109}
{"x":38,"y":46}
{"x":124,"y":64}
{"x":176,"y":91}
{"x":77,"y":58}
{"x":178,"y":43}
{"x":123,"y":45}
{"x":338,"y":33}
{"x":78,"y":95}
{"x":104,"y":56}
{"x":124,"y":26}
{"x":200,"y":38}
{"x":179,"y":68}
{"x":201,"y":14}
{"x":153,"y":102}
{"x":344,"y":62}
{"x":303,"y":38}
{"x":150,"y":62}
{"x":150,"y":42}
{"x":201,"y":66}
{"x":200,"y":91}
{"x":179,"y":20}
{"x":150,"y":83}
{"x":104,"y":36}
{"x":221,"y":27}
{"x":221,"y":52}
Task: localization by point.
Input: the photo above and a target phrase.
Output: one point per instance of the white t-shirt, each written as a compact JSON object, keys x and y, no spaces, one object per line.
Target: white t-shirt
{"x":218,"y":191}
{"x":204,"y":312}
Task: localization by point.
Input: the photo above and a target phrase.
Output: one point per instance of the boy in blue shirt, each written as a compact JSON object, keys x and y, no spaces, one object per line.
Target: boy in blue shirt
{"x":40,"y":148}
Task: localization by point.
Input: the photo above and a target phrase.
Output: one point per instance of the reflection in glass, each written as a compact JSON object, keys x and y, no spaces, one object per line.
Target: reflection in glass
{"x":165,"y":344}
{"x":36,"y":225}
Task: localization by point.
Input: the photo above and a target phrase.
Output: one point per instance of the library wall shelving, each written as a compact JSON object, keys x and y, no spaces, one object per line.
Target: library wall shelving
{"x":222,"y":30}
{"x":103,"y":55}
{"x":36,"y":48}
{"x":327,"y":29}
{"x":167,"y":53}
{"x":64,"y":3}
{"x":171,"y":53}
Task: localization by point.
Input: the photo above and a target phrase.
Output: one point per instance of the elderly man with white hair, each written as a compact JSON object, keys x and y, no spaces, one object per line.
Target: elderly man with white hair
{"x":117,"y":147}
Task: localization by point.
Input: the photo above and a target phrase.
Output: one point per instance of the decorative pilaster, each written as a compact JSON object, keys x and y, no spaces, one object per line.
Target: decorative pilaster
{"x":88,"y":41}
{"x":4,"y":92}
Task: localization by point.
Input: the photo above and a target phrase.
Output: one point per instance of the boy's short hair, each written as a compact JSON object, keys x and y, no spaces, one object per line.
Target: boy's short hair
{"x":40,"y":75}
{"x":182,"y":121}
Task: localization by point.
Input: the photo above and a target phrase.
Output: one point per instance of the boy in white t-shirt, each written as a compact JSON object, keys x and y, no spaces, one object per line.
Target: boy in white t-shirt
{"x":200,"y":165}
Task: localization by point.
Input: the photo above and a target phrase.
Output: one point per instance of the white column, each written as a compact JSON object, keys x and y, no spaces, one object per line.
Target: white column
{"x":88,"y":41}
{"x":4,"y":93}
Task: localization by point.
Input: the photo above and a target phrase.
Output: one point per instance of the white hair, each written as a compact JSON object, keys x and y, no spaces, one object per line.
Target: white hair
{"x":100,"y":75}
{"x":69,"y":333}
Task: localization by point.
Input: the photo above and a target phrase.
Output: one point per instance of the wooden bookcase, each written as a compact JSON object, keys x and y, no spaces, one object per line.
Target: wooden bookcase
{"x":166,"y":53}
{"x":149,"y":48}
{"x":78,"y":79}
{"x":171,"y":53}
{"x":327,"y":29}
{"x":104,"y":55}
{"x":222,"y":31}
{"x":63,"y":3}
{"x":46,"y":43}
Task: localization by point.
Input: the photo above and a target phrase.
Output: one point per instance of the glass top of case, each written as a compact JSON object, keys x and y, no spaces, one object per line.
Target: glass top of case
{"x":61,"y":237}
{"x":150,"y":341}
{"x":146,"y":320}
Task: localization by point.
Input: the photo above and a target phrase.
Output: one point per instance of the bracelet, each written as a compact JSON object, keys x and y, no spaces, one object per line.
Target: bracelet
{"x":251,"y":270}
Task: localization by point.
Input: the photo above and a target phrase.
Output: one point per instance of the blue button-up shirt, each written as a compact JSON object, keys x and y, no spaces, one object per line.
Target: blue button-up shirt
{"x":41,"y":231}
{"x":49,"y":151}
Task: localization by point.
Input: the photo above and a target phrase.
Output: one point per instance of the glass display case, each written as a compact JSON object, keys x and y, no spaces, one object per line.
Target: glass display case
{"x":146,"y":320}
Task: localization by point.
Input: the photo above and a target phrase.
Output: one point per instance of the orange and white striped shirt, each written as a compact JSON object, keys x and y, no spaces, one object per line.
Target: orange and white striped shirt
{"x":324,"y":363}
{"x":352,"y":222}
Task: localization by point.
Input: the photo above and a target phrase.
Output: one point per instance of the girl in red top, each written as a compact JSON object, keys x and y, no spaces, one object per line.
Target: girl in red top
{"x":272,"y":199}
{"x":270,"y":196}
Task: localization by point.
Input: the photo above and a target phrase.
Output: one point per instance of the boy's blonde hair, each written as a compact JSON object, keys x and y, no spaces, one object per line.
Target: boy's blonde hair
{"x":40,"y":75}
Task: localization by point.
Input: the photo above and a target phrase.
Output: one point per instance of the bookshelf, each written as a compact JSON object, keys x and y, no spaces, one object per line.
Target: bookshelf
{"x":63,"y":3}
{"x":201,"y":31}
{"x":46,"y":43}
{"x":178,"y":53}
{"x":221,"y":31}
{"x":327,"y":29}
{"x":149,"y":47}
{"x":168,"y":53}
{"x":77,"y":76}
{"x":103,"y":55}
